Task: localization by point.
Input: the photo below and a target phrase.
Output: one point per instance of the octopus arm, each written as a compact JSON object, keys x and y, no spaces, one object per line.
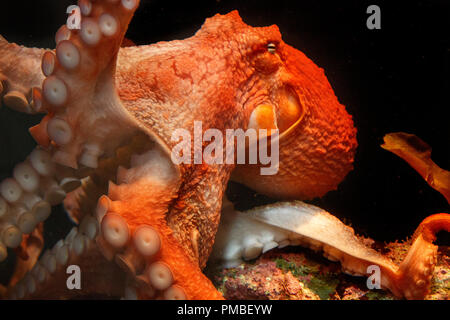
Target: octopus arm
{"x":20,"y":75}
{"x":248,"y":234}
{"x":136,"y":234}
{"x":51,"y":277}
{"x":418,"y":155}
{"x":195,"y":215}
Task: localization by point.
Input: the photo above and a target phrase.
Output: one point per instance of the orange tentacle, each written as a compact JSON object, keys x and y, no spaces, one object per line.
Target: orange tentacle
{"x":418,"y":155}
{"x":145,"y":203}
{"x":414,"y":275}
{"x":431,"y":225}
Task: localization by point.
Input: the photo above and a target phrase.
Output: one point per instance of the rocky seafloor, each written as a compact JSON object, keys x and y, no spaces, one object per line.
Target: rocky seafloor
{"x":296,"y":273}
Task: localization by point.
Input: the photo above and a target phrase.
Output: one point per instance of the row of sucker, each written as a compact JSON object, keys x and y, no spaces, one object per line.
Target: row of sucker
{"x":80,"y":238}
{"x":68,"y":71}
{"x":77,"y":241}
{"x":241,"y":238}
{"x":247,"y":235}
{"x":26,"y":198}
{"x":137,"y":252}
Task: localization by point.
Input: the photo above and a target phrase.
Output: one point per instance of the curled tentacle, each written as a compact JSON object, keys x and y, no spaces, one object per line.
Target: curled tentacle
{"x":245,"y":235}
{"x":416,"y":270}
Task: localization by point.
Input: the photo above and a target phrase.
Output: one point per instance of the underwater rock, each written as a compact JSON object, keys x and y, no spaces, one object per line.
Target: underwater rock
{"x":295,"y":273}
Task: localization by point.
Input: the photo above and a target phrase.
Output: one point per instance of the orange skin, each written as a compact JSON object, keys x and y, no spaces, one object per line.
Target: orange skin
{"x":219,"y":76}
{"x":222,"y":76}
{"x":431,"y":225}
{"x":227,"y":71}
{"x":200,"y":78}
{"x":417,"y":154}
{"x":136,"y":200}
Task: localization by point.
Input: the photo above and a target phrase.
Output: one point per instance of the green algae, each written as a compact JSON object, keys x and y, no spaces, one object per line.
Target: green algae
{"x":322,"y":284}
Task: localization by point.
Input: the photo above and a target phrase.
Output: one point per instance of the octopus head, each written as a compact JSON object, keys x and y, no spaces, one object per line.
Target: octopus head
{"x":280,"y":88}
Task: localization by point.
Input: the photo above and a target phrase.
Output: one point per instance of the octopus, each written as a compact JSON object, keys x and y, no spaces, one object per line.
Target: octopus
{"x":147,"y":225}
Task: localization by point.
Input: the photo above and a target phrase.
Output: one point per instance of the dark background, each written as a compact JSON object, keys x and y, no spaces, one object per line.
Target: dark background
{"x":393,"y":79}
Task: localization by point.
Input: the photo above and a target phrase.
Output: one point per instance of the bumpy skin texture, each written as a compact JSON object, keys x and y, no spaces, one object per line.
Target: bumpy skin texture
{"x":225,"y":80}
{"x":317,"y":153}
{"x":111,"y":113}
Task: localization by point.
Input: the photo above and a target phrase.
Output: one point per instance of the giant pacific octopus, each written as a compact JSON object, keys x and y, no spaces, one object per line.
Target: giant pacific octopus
{"x":146,"y":225}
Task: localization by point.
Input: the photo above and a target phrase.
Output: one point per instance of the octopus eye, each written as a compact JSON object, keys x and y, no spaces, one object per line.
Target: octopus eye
{"x":271,"y":47}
